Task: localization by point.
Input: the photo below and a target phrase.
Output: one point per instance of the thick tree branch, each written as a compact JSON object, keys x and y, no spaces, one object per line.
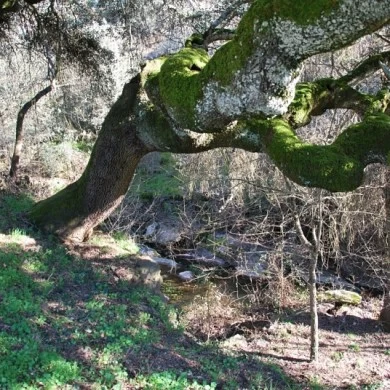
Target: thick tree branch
{"x":335,"y":167}
{"x":256,"y":72}
{"x":365,"y":68}
{"x":313,"y":99}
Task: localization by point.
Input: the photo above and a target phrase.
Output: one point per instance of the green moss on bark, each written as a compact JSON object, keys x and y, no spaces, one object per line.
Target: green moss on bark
{"x":231,"y":57}
{"x":62,"y":212}
{"x":312,"y":165}
{"x":335,"y":167}
{"x":307,"y":95}
{"x":368,"y":141}
{"x":302,"y":12}
{"x":180,"y":84}
{"x":180,"y":79}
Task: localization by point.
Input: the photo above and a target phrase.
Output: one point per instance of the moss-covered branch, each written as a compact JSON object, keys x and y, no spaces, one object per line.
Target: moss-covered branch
{"x":365,"y":67}
{"x":335,"y":167}
{"x":313,"y":99}
{"x":256,"y":72}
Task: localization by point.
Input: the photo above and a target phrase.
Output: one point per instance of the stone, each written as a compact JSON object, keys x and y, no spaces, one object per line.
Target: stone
{"x":139,"y":270}
{"x":165,"y":262}
{"x":252,"y":265}
{"x":168,"y":234}
{"x":163,"y":234}
{"x":340,"y":296}
{"x":204,"y":257}
{"x":151,"y":229}
{"x":237,"y":341}
{"x":186,"y":276}
{"x":326,"y":278}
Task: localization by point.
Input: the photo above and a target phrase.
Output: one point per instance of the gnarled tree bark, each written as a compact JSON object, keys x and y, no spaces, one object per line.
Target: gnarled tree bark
{"x":247,"y":96}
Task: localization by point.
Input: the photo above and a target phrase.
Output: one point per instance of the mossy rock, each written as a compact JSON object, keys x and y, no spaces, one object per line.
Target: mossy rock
{"x":340,"y":296}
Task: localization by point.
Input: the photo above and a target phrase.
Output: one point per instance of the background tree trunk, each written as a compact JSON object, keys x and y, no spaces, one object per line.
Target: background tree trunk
{"x":19,"y":129}
{"x":314,"y":248}
{"x":314,"y":339}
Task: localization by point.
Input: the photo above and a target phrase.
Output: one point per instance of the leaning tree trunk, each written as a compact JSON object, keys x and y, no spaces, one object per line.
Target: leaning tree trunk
{"x":73,"y":212}
{"x":19,"y":129}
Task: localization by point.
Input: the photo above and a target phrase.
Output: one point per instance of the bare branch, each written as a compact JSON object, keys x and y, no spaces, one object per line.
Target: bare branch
{"x":300,"y":233}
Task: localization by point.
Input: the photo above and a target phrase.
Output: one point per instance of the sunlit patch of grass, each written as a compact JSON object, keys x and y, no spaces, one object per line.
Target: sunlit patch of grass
{"x":354,"y":347}
{"x":117,"y":245}
{"x":315,"y":384}
{"x":125,"y":242}
{"x":17,"y":234}
{"x":337,"y":356}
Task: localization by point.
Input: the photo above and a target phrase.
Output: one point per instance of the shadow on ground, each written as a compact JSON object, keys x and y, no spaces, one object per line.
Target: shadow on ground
{"x":342,"y":322}
{"x":72,"y":320}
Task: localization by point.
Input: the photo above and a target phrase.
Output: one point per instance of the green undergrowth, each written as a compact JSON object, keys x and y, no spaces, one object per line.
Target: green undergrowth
{"x":162,"y":181}
{"x":70,"y":323}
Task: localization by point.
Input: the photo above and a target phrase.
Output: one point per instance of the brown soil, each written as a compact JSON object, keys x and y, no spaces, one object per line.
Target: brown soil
{"x":354,"y":349}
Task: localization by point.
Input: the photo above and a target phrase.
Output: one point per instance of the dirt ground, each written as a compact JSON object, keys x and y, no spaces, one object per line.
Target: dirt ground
{"x":354,"y":350}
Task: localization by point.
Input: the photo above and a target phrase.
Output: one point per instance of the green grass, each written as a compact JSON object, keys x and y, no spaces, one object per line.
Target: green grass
{"x":44,"y":316}
{"x":354,"y":347}
{"x":170,"y":380}
{"x":12,"y":208}
{"x":125,"y":242}
{"x":337,"y":356}
{"x":66,"y":322}
{"x":164,"y":182}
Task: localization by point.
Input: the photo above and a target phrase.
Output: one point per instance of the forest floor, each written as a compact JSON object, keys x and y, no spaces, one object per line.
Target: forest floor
{"x":354,"y":351}
{"x":72,"y":318}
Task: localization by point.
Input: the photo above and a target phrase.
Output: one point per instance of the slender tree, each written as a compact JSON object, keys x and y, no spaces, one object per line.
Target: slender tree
{"x":385,"y":312}
{"x":314,"y":248}
{"x":19,"y":129}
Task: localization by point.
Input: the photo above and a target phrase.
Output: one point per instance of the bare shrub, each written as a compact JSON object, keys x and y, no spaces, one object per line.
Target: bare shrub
{"x":61,"y":160}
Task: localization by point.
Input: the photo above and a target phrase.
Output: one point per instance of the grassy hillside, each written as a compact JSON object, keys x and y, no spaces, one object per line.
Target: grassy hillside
{"x":70,"y":320}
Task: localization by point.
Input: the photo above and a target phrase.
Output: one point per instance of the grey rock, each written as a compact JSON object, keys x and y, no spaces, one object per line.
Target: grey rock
{"x":186,"y":276}
{"x":203,"y":256}
{"x":151,"y":230}
{"x":163,"y":234}
{"x":329,"y":279}
{"x":169,"y":263}
{"x":252,"y":265}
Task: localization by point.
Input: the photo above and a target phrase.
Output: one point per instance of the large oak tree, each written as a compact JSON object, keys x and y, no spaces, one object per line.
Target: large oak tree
{"x":247,"y":95}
